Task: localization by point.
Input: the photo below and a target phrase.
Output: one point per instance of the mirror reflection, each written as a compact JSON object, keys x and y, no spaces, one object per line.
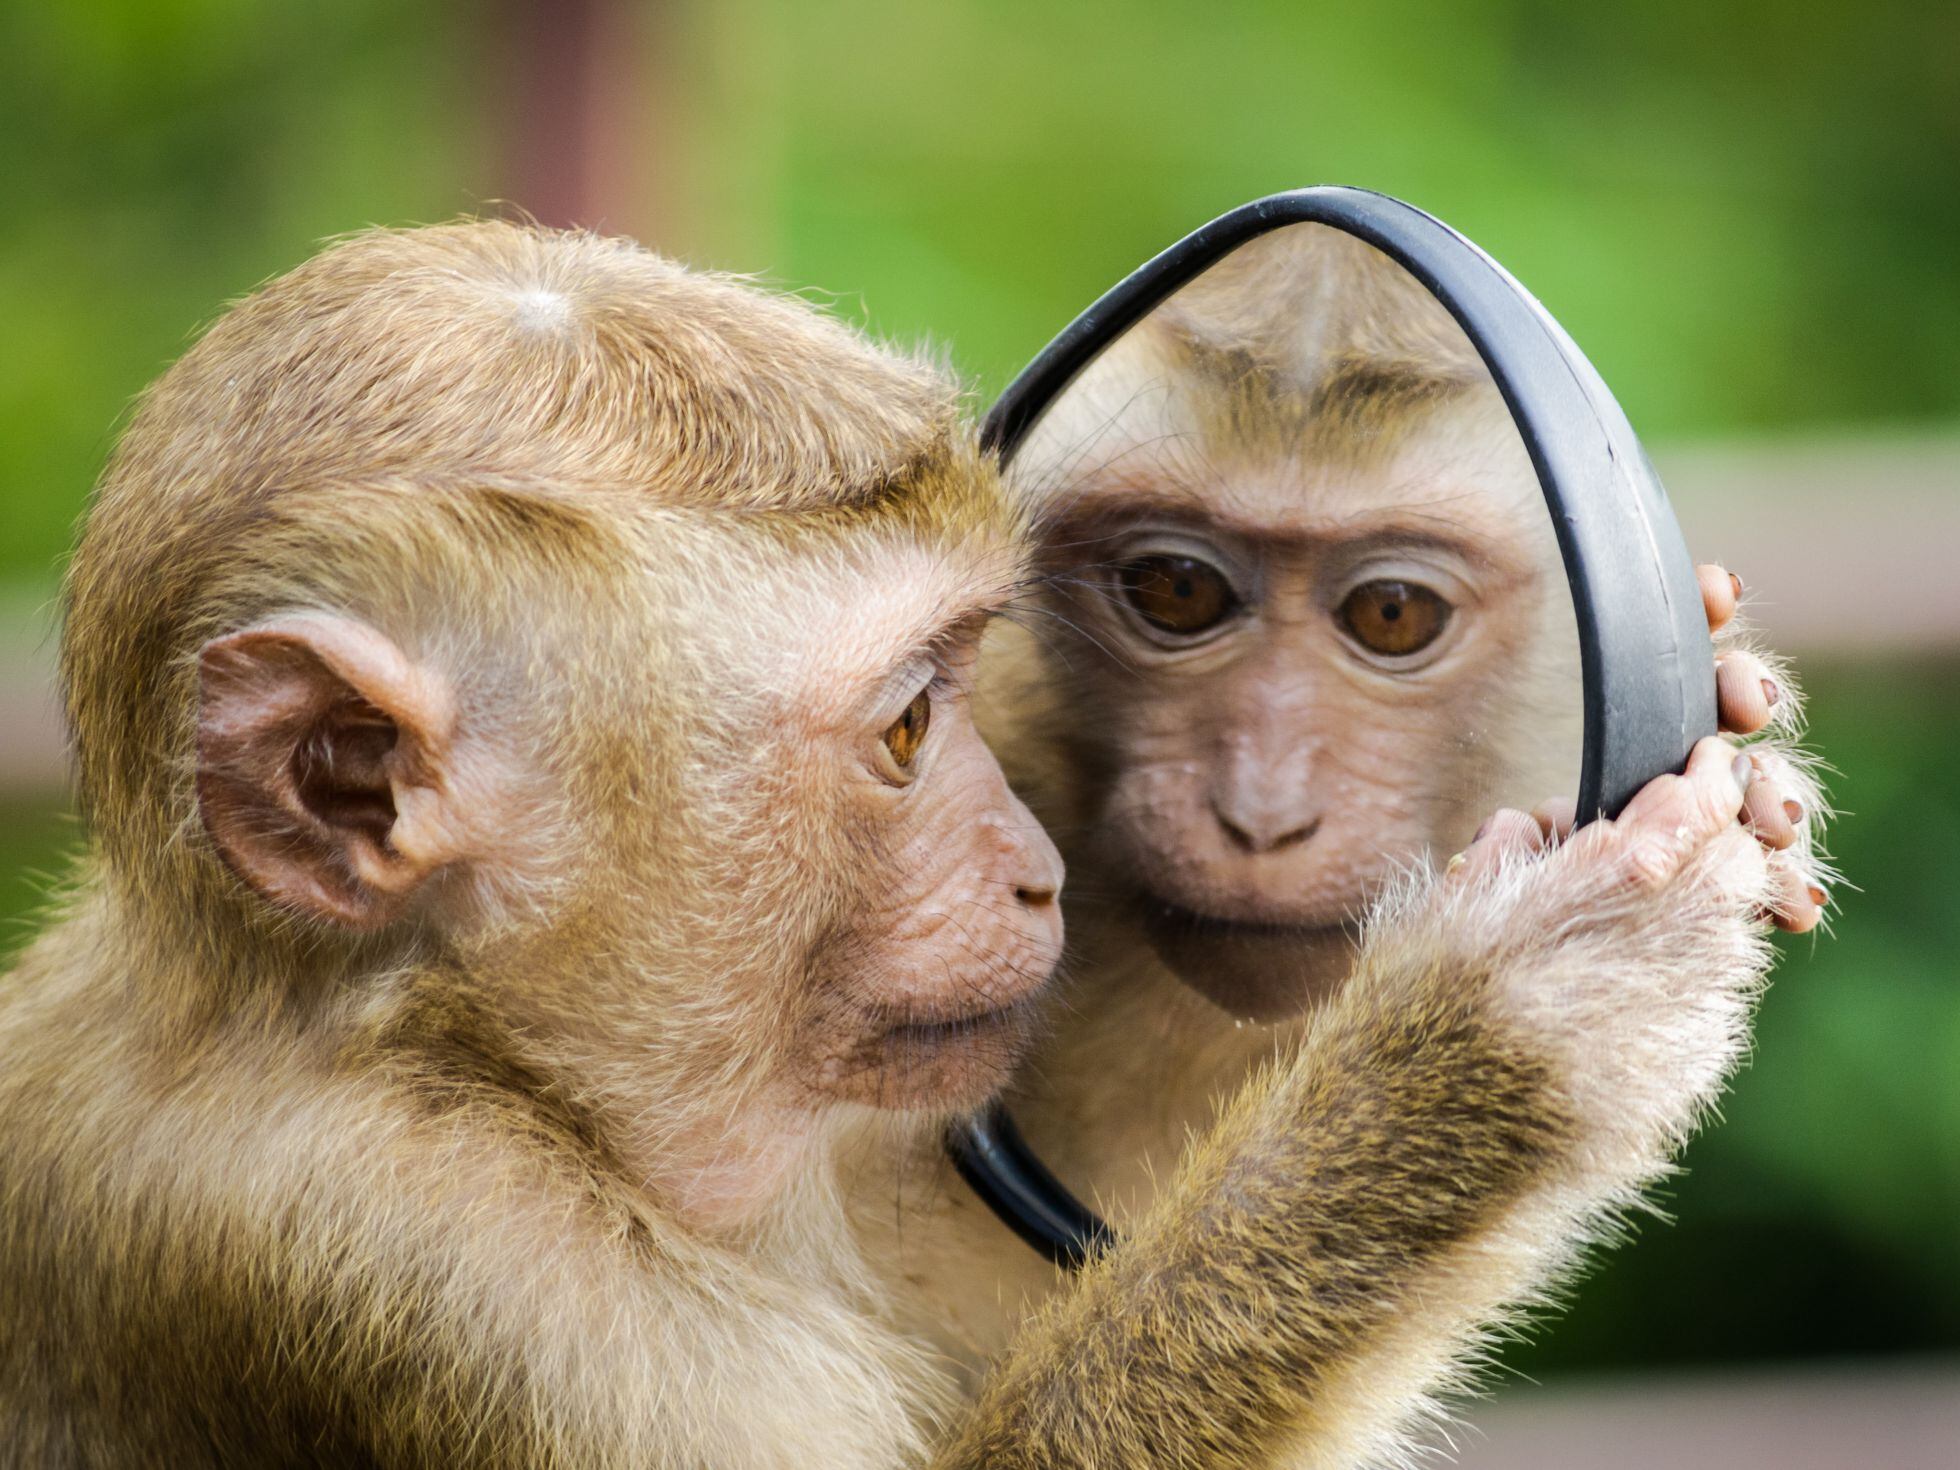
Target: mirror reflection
{"x":1305,"y":626}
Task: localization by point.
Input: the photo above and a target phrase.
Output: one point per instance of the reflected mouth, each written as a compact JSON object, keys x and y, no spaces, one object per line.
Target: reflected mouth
{"x":1175,"y":917}
{"x":1252,"y":968}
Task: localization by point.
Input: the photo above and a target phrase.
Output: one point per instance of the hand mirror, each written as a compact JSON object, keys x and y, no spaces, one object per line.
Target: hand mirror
{"x":1344,"y":546}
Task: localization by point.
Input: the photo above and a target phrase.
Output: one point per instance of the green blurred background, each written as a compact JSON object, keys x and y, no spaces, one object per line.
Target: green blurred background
{"x":1745,"y":212}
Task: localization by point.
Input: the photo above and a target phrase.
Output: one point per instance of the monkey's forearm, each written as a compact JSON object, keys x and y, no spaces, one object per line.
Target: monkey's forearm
{"x":1284,"y":1247}
{"x":1428,"y":1159}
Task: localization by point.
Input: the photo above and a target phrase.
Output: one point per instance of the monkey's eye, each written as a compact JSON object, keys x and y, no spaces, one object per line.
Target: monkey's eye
{"x":906,"y":733}
{"x":1178,"y":594}
{"x":1394,"y":618}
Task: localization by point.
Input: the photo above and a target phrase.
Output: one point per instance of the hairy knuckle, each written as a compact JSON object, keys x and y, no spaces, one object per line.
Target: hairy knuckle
{"x":1648,"y":864}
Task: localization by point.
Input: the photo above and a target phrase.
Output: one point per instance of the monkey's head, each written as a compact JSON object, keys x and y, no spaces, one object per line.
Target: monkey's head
{"x":518,"y":607}
{"x":1324,"y":616}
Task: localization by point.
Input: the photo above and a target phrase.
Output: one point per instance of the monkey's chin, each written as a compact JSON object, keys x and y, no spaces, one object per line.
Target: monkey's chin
{"x":948,"y":1066}
{"x":1253,"y":972}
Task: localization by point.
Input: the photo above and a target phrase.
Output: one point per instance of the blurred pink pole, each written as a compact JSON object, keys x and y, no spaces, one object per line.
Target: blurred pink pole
{"x":576,"y":115}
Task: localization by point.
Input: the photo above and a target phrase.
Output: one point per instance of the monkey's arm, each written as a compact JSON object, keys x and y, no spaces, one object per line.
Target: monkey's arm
{"x":1523,"y":1045}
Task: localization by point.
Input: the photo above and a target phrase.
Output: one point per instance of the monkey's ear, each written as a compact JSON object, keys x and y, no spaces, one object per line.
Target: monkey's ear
{"x":321,"y":766}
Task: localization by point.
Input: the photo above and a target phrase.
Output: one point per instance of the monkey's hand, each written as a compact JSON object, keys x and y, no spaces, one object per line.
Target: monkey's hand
{"x":1756,"y":696}
{"x":1626,"y":954}
{"x":1524,"y":1042}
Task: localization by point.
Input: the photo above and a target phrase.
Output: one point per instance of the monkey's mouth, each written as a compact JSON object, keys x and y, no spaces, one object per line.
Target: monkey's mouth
{"x":1162,"y":912}
{"x":1168,"y":917}
{"x":953,"y":1061}
{"x":975,"y":1026}
{"x":1254,"y":969}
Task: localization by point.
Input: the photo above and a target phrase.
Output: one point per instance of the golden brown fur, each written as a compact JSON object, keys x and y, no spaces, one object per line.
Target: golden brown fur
{"x":278,"y":1192}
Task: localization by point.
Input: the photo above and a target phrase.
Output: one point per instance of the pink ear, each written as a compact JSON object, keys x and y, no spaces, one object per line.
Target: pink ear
{"x":321,"y":753}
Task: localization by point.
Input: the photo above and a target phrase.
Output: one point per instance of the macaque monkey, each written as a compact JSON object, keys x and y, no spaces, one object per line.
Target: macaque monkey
{"x":518,"y":690}
{"x":1307,"y":626}
{"x":520,"y":693}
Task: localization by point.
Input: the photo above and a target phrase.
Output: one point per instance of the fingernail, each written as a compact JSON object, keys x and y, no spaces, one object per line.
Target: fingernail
{"x":1735,"y":583}
{"x":1770,"y":692}
{"x":1456,"y":862}
{"x":1793,"y":809}
{"x":1817,"y":895}
{"x":1744,"y":770}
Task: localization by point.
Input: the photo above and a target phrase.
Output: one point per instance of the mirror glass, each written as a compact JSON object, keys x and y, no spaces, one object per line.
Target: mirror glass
{"x":1303,"y":626}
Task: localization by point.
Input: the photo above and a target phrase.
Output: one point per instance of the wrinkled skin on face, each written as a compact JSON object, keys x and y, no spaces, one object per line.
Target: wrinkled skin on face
{"x":898,"y":906}
{"x":784,"y":875}
{"x":924,"y":993}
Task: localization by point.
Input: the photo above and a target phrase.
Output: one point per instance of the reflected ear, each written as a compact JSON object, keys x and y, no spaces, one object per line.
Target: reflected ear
{"x":322,"y":753}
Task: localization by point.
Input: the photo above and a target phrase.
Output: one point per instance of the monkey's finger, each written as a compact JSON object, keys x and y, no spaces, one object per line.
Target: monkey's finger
{"x":1673,"y":817}
{"x":1744,"y":693}
{"x":1773,"y":766}
{"x":1557,"y":816}
{"x":1699,"y":802}
{"x":1507,"y":834}
{"x":1767,"y":813}
{"x":1796,"y":902}
{"x":1721,"y":589}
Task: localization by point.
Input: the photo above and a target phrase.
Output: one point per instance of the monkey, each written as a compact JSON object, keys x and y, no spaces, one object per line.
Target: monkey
{"x":1300,"y":569}
{"x":521,"y":697}
{"x":515,"y":686}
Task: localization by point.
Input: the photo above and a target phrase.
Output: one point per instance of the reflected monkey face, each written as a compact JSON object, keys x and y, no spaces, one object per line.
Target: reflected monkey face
{"x":1315,"y":595}
{"x":1285,"y":679}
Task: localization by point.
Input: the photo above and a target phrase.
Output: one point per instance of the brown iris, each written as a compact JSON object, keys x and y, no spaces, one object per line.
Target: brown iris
{"x":1179,"y":594}
{"x":1394,"y":618}
{"x":908,"y":731}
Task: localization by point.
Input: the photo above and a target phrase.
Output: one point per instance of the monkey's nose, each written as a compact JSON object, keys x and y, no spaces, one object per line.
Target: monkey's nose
{"x":1040,"y":882}
{"x":1265,"y":832}
{"x":1035,"y":866}
{"x":1030,"y":863}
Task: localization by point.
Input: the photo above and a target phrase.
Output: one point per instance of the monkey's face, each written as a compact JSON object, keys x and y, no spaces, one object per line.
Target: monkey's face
{"x":914,"y":898}
{"x":1290,"y":675}
{"x":925,"y":993}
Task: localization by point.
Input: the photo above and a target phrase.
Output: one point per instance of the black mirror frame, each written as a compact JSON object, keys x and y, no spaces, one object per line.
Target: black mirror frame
{"x":1643,"y":637}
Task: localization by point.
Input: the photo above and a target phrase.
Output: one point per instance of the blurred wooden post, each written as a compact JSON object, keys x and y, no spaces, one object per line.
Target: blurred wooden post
{"x":577,"y":116}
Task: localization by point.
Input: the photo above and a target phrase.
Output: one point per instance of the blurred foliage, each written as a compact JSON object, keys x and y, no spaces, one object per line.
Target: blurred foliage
{"x":1744,"y":211}
{"x":38,"y":839}
{"x":163,"y":156}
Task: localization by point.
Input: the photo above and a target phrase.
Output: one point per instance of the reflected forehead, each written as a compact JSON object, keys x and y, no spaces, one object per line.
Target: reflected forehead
{"x":1361,"y":445}
{"x":1278,"y":498}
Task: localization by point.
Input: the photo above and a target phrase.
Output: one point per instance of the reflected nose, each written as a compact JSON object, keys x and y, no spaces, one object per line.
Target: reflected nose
{"x":1262,"y":790}
{"x":1264,"y":832}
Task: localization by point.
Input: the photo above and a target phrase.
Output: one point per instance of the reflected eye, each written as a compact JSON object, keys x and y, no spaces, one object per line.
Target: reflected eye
{"x":1179,"y":594}
{"x":908,"y":731}
{"x":1394,"y":618}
